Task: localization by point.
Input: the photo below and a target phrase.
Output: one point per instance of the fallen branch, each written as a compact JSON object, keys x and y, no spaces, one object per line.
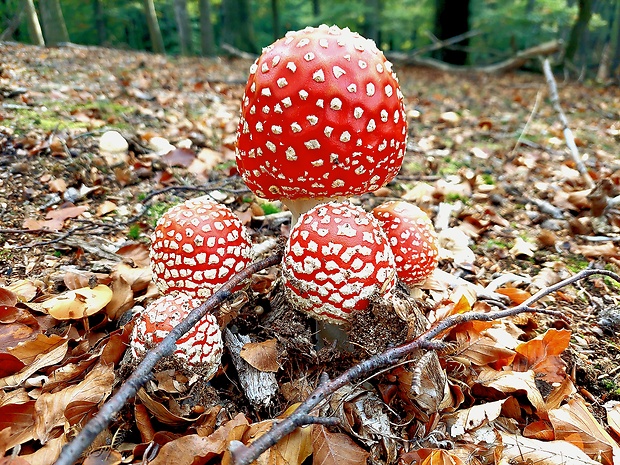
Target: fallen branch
{"x":515,"y":62}
{"x":245,"y":455}
{"x":568,"y":134}
{"x":72,"y":451}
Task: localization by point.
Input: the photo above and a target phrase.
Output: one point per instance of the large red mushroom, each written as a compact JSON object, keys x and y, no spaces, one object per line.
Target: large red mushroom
{"x":199,"y":351}
{"x":322,"y":117}
{"x":412,"y":238}
{"x":197,"y":246}
{"x":336,"y":259}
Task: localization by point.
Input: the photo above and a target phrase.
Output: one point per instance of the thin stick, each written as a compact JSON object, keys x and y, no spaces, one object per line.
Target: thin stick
{"x":245,"y":455}
{"x":72,"y":451}
{"x":527,"y":123}
{"x":568,"y":134}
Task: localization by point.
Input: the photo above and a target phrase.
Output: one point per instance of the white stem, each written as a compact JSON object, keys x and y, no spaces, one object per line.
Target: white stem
{"x":299,"y":206}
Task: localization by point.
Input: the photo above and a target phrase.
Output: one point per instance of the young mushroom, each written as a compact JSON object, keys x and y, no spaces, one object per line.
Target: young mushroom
{"x":322,"y":117}
{"x":198,"y":351}
{"x":412,"y":238}
{"x":197,"y":246}
{"x":336,"y":259}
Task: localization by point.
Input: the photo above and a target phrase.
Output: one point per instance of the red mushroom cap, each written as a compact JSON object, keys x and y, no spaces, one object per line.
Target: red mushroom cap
{"x":197,"y":246}
{"x":412,"y":238}
{"x":336,"y":258}
{"x":322,"y":116}
{"x":200,"y":348}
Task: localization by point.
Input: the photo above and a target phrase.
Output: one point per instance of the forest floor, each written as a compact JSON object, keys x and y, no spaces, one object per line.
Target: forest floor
{"x":488,"y":150}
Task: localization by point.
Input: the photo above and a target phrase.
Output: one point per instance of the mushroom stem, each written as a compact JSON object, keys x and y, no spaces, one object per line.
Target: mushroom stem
{"x":299,"y":206}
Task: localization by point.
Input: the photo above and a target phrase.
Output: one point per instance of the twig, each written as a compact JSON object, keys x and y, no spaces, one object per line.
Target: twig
{"x":527,"y":123}
{"x":245,"y":455}
{"x":568,"y":134}
{"x":72,"y":451}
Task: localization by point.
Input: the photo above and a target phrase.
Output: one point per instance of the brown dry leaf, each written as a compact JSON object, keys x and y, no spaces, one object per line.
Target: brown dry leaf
{"x":50,"y":407}
{"x":122,"y":298}
{"x":29,"y":351}
{"x":136,"y":252}
{"x":20,"y":419}
{"x":540,"y":429}
{"x":562,"y":392}
{"x":517,"y":296}
{"x":186,"y":449}
{"x":58,"y":185}
{"x":335,"y":448}
{"x":9,"y":364}
{"x":7,"y":297}
{"x":542,"y":355}
{"x":13,"y":334}
{"x":47,"y":454}
{"x":78,"y":303}
{"x":179,"y":157}
{"x":161,"y":413}
{"x":509,"y":382}
{"x":574,"y":423}
{"x":104,"y":457}
{"x":606,"y":250}
{"x":138,"y":278}
{"x":50,"y":358}
{"x":524,"y":451}
{"x":469,"y":419}
{"x":24,"y":289}
{"x":63,"y":214}
{"x":522,"y":248}
{"x":441,"y":457}
{"x":613,"y":418}
{"x":293,"y":449}
{"x":478,"y":347}
{"x":261,"y":355}
{"x":105,"y":208}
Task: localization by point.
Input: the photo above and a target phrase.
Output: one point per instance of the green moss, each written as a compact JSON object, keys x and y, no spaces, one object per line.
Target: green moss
{"x":134,"y":231}
{"x":576,"y":263}
{"x":610,"y":386}
{"x":497,"y":244}
{"x":454,"y":197}
{"x":155,"y":211}
{"x":487,"y":179}
{"x":269,"y":208}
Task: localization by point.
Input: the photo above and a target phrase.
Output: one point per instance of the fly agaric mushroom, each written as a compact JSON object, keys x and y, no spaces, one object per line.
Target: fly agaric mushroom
{"x":412,"y":238}
{"x":322,"y":117}
{"x":336,"y":259}
{"x":200,"y":350}
{"x":197,"y":246}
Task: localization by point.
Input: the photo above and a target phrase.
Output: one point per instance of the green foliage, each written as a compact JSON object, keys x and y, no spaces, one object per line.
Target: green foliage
{"x":134,"y":231}
{"x":269,"y":208}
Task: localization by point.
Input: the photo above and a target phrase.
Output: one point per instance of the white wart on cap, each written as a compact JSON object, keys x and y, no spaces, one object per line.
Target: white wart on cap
{"x":336,"y":259}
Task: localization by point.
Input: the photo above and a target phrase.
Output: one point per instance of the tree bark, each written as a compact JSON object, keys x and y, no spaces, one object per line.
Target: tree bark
{"x":372,"y":16}
{"x":275,"y":19}
{"x":316,"y":7}
{"x":157,"y":41}
{"x":452,"y":19}
{"x":237,"y":26}
{"x":610,"y":52}
{"x":54,"y":27}
{"x":578,"y":29}
{"x":183,"y":26}
{"x":207,"y":37}
{"x":99,"y":15}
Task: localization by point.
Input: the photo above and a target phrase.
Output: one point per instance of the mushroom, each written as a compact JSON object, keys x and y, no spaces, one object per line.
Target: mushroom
{"x":412,"y":238}
{"x":199,"y":351}
{"x":322,"y":117}
{"x":335,"y":260}
{"x":197,"y":246}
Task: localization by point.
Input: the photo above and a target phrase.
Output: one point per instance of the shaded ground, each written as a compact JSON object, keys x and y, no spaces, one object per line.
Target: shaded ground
{"x":524,"y":207}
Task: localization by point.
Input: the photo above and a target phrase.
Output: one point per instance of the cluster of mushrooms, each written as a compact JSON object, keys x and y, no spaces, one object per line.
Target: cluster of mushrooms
{"x":322,"y":119}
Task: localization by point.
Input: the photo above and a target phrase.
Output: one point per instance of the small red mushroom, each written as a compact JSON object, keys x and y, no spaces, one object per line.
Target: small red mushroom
{"x":200,"y":350}
{"x":336,"y":259}
{"x":412,"y":238}
{"x":197,"y":246}
{"x":322,"y":117}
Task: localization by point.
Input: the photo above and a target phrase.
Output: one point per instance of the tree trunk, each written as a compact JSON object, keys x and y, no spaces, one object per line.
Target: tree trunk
{"x":54,"y":27}
{"x":578,"y":29}
{"x":372,"y":16}
{"x":237,"y":26}
{"x":99,"y":15}
{"x":316,"y":7}
{"x":275,"y":19}
{"x":207,"y":37}
{"x":610,"y":52}
{"x":183,"y":26}
{"x":157,"y":41}
{"x":452,"y":19}
{"x":32,"y":20}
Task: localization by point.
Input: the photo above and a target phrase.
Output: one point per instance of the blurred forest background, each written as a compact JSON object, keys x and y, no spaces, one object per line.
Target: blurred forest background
{"x":486,"y":31}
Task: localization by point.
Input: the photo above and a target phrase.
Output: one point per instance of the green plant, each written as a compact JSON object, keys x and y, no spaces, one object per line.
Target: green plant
{"x":134,"y":231}
{"x":269,"y":208}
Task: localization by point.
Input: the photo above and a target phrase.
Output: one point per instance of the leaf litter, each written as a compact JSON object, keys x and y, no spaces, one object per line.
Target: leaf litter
{"x":513,"y":218}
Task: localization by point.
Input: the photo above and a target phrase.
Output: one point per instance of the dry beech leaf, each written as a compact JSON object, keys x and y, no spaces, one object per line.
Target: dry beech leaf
{"x":50,"y":407}
{"x":335,"y":448}
{"x":47,"y":454}
{"x":517,"y":296}
{"x":78,"y":303}
{"x":261,"y":355}
{"x":105,"y":456}
{"x":613,"y":418}
{"x":161,"y":413}
{"x":179,"y":157}
{"x":509,"y":382}
{"x":75,"y":280}
{"x":24,"y":289}
{"x":469,"y":419}
{"x":479,"y":348}
{"x":524,"y":451}
{"x":47,"y":359}
{"x":30,"y":350}
{"x":574,"y":423}
{"x":441,"y":457}
{"x":292,"y":449}
{"x":122,"y":298}
{"x":105,"y":208}
{"x":20,"y":419}
{"x":7,"y":297}
{"x":540,"y":429}
{"x":542,"y":355}
{"x":187,"y":449}
{"x":137,"y":252}
{"x":13,"y":334}
{"x":143,"y":422}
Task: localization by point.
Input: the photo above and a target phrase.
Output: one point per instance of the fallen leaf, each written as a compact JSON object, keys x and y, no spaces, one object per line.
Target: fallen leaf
{"x":542,"y":355}
{"x":469,"y":419}
{"x":517,"y":296}
{"x":524,"y":451}
{"x":335,"y":448}
{"x":19,"y":418}
{"x":179,"y":157}
{"x":261,"y":355}
{"x":509,"y":382}
{"x":523,"y":248}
